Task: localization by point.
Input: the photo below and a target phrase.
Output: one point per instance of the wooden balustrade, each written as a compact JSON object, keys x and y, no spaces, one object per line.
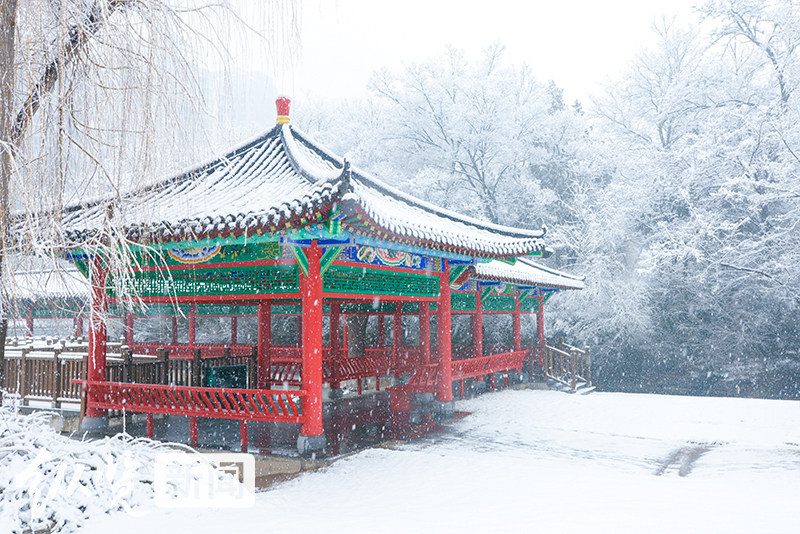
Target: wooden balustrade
{"x":43,"y":375}
{"x":567,"y":365}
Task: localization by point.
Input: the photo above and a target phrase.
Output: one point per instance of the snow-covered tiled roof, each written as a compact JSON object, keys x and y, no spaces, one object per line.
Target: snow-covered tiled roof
{"x":252,"y":188}
{"x":527,"y":272}
{"x":282,"y":179}
{"x":33,"y":278}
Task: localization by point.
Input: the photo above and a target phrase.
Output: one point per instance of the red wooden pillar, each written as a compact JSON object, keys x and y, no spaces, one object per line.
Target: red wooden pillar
{"x":264,"y":320}
{"x":425,"y":332}
{"x":517,"y":324}
{"x":311,"y":434}
{"x":79,"y":325}
{"x":477,"y":326}
{"x":234,"y":330}
{"x":540,"y":326}
{"x":335,"y":347}
{"x":96,"y":362}
{"x":192,"y":323}
{"x":444,"y":336}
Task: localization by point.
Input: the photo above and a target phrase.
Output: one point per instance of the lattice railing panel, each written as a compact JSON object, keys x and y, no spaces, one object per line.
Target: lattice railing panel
{"x":245,"y":404}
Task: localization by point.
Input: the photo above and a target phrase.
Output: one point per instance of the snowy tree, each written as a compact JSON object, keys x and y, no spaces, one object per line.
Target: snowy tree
{"x":479,"y":134}
{"x":705,"y":122}
{"x":89,"y":89}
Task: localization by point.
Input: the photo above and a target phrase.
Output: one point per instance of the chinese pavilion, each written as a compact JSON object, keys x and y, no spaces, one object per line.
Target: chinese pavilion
{"x":279,"y":224}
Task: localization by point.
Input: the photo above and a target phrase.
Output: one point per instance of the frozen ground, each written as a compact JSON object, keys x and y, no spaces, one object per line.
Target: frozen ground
{"x":546,"y":461}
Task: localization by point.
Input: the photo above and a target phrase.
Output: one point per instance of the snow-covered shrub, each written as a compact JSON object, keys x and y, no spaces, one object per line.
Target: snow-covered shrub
{"x":52,"y":482}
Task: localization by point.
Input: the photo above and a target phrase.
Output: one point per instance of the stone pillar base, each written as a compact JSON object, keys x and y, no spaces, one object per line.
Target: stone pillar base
{"x":310,"y":444}
{"x":444,"y":410}
{"x":94,"y":424}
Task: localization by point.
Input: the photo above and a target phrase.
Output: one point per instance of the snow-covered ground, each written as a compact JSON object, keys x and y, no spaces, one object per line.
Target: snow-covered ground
{"x":546,"y":461}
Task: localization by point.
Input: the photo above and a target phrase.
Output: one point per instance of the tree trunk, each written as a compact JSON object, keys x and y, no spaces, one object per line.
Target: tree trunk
{"x":8,"y":23}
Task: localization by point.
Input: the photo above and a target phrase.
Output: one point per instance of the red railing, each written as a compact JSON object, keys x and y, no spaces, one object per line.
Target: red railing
{"x":285,"y":353}
{"x":426,"y":377}
{"x":282,"y":406}
{"x":353,"y":368}
{"x":486,"y":365}
{"x":287,"y":371}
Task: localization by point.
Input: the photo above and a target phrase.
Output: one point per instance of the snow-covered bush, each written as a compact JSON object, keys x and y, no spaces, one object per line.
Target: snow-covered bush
{"x":52,"y":482}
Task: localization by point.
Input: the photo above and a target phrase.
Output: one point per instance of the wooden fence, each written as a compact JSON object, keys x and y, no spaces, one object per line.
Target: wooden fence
{"x":567,"y":365}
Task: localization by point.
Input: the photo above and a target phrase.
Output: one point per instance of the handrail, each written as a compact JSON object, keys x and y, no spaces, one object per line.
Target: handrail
{"x":567,"y":365}
{"x":485,"y":365}
{"x":282,"y":406}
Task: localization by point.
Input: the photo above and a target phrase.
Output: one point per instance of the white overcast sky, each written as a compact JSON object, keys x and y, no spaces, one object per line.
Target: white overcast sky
{"x":580,"y":44}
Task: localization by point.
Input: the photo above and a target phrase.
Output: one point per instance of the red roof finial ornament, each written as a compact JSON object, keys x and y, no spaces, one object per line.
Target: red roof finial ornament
{"x":282,"y":103}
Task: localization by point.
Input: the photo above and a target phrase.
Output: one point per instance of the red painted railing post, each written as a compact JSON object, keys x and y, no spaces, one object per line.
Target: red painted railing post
{"x":264,"y":343}
{"x":311,"y":434}
{"x":96,"y":364}
{"x":445,"y":389}
{"x":234,"y":330}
